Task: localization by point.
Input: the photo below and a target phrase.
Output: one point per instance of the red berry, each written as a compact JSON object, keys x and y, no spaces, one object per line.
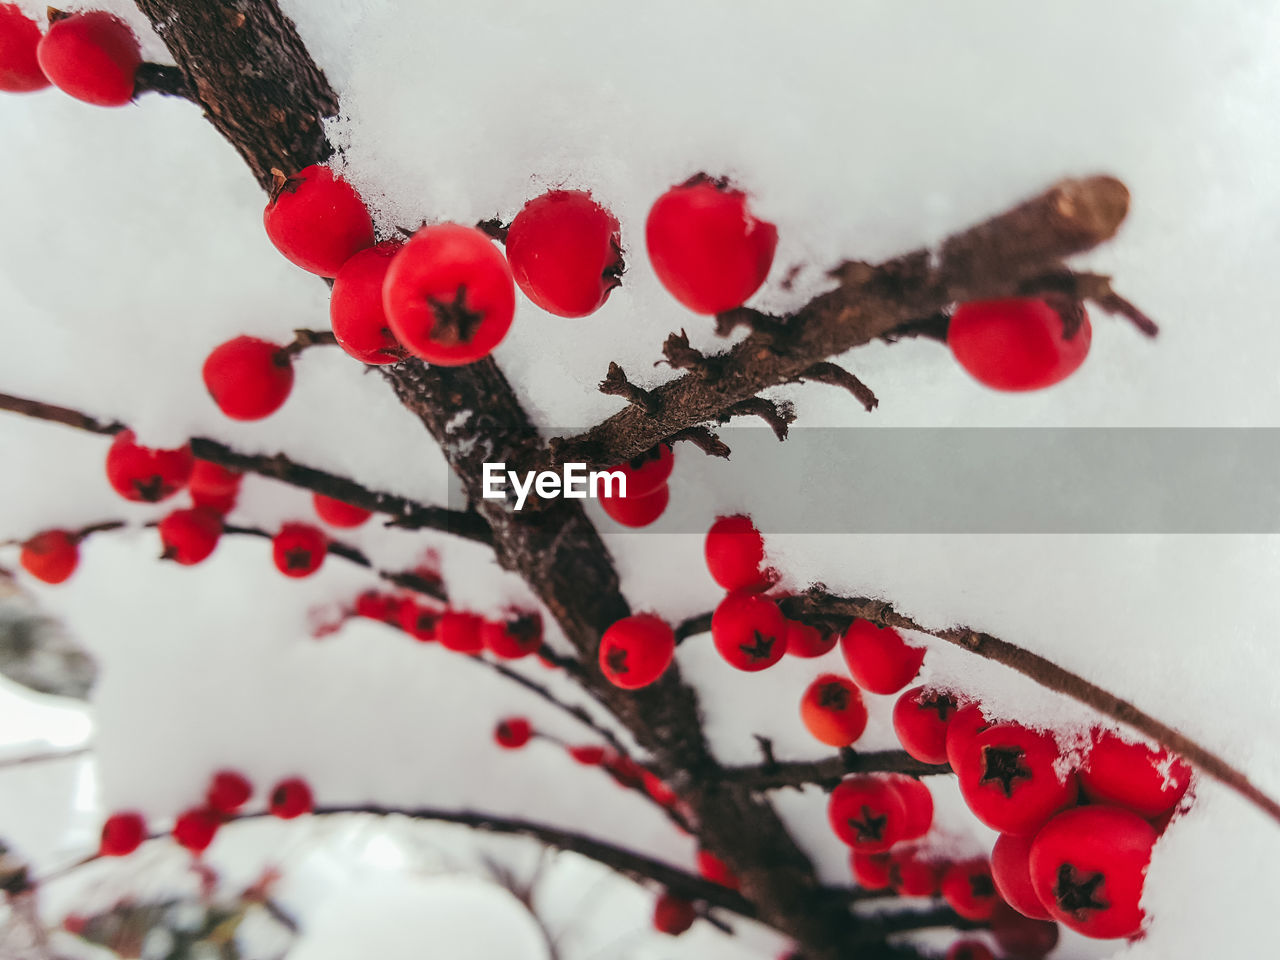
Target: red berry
{"x":970,"y":950}
{"x":386,"y":609}
{"x":228,"y":791}
{"x":565,"y":252}
{"x":355,"y":306}
{"x":712,"y":868}
{"x":19,"y":70}
{"x":832,"y":710}
{"x":1011,"y":871}
{"x":749,"y":631}
{"x":867,"y":813}
{"x":625,"y":771}
{"x":968,"y":887}
{"x":878,"y":658}
{"x":512,"y":733}
{"x":122,"y":833}
{"x":317,"y":220}
{"x":705,"y":246}
{"x":917,"y":799}
{"x":920,"y":719}
{"x":449,"y":295}
{"x":809,"y":642}
{"x":459,"y":631}
{"x":913,"y":875}
{"x":248,"y":378}
{"x":291,"y":798}
{"x":91,"y":56}
{"x":189,"y":536}
{"x":214,"y":487}
{"x":672,"y":915}
{"x":195,"y":829}
{"x":659,"y":792}
{"x":1016,"y":344}
{"x":870,"y":870}
{"x":962,"y":732}
{"x":1132,"y":775}
{"x":1023,"y":938}
{"x":1088,"y":866}
{"x":637,"y":510}
{"x":51,"y":556}
{"x":418,"y":621}
{"x":636,"y":651}
{"x":588,"y":756}
{"x":513,"y":638}
{"x":735,"y":554}
{"x":299,"y":549}
{"x":648,"y":471}
{"x":1009,"y":780}
{"x":337,"y":513}
{"x":145,"y":475}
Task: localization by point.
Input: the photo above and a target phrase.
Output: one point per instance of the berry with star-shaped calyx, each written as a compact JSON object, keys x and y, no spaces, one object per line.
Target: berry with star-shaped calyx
{"x":1010,"y":779}
{"x":248,"y":378}
{"x":870,"y":870}
{"x":749,"y":631}
{"x":879,"y":660}
{"x":917,"y":800}
{"x":970,"y":950}
{"x":671,"y":915}
{"x":317,"y":220}
{"x":638,"y":509}
{"x":1088,"y":866}
{"x":519,"y":635}
{"x":967,"y":886}
{"x":213,"y":486}
{"x":867,"y":813}
{"x":93,"y":56}
{"x":122,"y":833}
{"x":1023,"y":938}
{"x":512,"y":733}
{"x":1148,"y":782}
{"x":913,"y":874}
{"x":706,"y":247}
{"x":51,"y":555}
{"x":189,"y":536}
{"x":1011,"y":873}
{"x":920,"y":719}
{"x":145,"y":474}
{"x":195,"y":829}
{"x":711,"y":867}
{"x":337,"y":513}
{"x":290,"y":798}
{"x":833,"y":711}
{"x":648,"y":471}
{"x":356,"y":312}
{"x":565,"y":252}
{"x":419,"y":621}
{"x":1017,"y":344}
{"x":809,"y":642}
{"x":734,"y":551}
{"x":449,"y":295}
{"x":636,"y":650}
{"x":228,"y":791}
{"x":459,"y":631}
{"x":19,"y":67}
{"x":299,"y":549}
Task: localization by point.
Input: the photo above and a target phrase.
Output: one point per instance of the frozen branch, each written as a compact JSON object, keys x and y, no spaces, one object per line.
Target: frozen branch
{"x":827,"y":773}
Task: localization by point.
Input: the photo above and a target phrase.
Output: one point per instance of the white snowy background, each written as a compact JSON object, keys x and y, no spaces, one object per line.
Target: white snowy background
{"x":131,"y":244}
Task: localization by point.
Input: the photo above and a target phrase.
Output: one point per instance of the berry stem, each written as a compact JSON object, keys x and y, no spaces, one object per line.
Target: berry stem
{"x":302,"y":339}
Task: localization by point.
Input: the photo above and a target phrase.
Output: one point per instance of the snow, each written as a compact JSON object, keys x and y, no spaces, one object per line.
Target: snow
{"x":131,"y":245}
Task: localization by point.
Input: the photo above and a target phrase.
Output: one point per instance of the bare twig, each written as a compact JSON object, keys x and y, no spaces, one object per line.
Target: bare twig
{"x":616,"y":384}
{"x":838,"y":376}
{"x":163,"y":79}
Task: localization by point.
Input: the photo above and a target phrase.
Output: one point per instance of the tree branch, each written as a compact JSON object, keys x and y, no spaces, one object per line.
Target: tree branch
{"x":830,"y":771}
{"x":406,"y":513}
{"x":994,"y":259}
{"x":162,"y":79}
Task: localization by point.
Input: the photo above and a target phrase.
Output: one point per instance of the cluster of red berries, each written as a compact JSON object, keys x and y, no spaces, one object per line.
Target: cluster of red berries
{"x":93,"y":56}
{"x":518,"y":634}
{"x":195,"y":828}
{"x":646,"y":485}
